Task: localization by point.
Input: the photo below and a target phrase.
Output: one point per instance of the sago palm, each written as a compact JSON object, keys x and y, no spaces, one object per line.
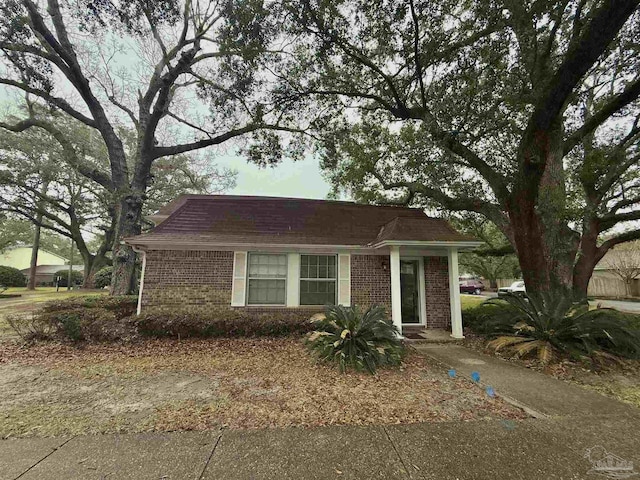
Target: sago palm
{"x":350,"y":338}
{"x":527,"y":328}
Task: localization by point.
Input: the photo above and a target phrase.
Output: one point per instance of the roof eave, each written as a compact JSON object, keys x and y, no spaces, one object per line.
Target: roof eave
{"x":460,"y":244}
{"x":151,"y":243}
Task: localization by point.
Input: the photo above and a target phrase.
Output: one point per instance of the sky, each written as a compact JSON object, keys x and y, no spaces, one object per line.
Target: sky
{"x":302,"y":179}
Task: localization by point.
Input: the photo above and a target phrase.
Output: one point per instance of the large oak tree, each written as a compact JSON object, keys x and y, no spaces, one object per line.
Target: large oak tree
{"x":525,"y":112}
{"x":183,"y":74}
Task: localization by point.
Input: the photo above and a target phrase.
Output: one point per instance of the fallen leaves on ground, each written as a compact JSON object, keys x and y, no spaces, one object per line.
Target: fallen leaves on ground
{"x":166,"y":385}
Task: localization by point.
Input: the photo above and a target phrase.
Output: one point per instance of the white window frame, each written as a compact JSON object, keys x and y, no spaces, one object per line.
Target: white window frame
{"x":286,"y":279}
{"x":335,"y":279}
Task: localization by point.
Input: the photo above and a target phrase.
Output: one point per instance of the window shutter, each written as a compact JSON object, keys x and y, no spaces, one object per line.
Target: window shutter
{"x":344,"y":280}
{"x":239,"y":287}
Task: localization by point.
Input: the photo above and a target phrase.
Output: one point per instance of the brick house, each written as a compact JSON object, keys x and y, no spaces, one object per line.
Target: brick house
{"x":266,"y":253}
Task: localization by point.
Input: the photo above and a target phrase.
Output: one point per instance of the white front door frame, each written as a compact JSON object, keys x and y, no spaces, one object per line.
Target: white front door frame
{"x":454,"y":293}
{"x":422,"y":304}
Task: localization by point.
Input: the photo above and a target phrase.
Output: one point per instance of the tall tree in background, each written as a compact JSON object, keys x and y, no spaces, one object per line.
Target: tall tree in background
{"x":495,"y":259}
{"x":76,"y":57}
{"x":624,"y":262}
{"x":35,"y":245}
{"x":63,"y":188}
{"x":525,"y":112}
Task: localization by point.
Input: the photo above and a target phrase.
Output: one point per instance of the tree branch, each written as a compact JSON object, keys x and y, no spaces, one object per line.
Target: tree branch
{"x":593,"y":42}
{"x":630,"y":93}
{"x":58,"y":102}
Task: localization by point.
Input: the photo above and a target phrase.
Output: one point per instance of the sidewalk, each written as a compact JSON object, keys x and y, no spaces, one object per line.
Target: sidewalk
{"x":550,"y":447}
{"x":532,"y":449}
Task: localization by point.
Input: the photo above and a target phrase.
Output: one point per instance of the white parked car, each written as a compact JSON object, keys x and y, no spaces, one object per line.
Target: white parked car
{"x":515,"y":287}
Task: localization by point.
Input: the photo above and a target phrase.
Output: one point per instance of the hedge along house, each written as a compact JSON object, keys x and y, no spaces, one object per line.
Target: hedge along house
{"x":275,"y":254}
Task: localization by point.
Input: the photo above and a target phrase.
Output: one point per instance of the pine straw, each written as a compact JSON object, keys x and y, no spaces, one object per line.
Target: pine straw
{"x":166,"y":385}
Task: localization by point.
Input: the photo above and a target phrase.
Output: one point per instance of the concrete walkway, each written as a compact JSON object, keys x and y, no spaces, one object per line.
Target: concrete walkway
{"x":539,"y":392}
{"x":550,"y":447}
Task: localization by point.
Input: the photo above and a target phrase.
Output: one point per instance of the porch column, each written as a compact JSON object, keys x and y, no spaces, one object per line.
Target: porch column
{"x":454,"y":293}
{"x":396,"y":295}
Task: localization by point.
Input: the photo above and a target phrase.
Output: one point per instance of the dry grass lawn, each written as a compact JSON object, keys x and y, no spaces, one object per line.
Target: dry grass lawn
{"x":53,"y":389}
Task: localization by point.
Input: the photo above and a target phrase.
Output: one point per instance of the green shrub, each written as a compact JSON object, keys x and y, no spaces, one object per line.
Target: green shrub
{"x":218,"y":322}
{"x":12,"y":277}
{"x":526,"y":328}
{"x":102,"y":278}
{"x":31,"y":326}
{"x":79,"y":324}
{"x":120,"y":305}
{"x":479,"y":319}
{"x":76,"y":277}
{"x":351,"y":339}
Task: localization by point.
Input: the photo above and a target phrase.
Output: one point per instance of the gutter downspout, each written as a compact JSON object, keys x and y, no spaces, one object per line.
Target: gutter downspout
{"x":144,"y":266}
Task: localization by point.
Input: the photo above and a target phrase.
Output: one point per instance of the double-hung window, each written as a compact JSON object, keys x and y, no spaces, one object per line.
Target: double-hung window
{"x":318,"y":279}
{"x":267,"y":279}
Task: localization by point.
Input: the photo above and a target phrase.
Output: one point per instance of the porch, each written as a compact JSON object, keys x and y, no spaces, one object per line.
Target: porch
{"x":409,"y":289}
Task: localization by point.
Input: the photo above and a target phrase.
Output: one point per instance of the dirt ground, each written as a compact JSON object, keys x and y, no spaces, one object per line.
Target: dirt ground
{"x":53,"y":389}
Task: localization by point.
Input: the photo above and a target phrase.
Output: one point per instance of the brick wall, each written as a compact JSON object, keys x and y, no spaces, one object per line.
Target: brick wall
{"x":370,"y":282}
{"x":436,"y":273}
{"x":194,"y":279}
{"x":176,"y":278}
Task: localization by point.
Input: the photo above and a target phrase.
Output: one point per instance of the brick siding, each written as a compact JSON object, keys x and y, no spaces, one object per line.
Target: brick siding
{"x":178,"y":278}
{"x":436,"y":280}
{"x":370,"y":281}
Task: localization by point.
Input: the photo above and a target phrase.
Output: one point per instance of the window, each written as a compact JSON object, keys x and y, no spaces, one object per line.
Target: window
{"x":267,"y":275}
{"x":318,"y":279}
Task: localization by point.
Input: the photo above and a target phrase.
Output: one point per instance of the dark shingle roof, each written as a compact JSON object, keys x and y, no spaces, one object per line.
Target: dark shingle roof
{"x":225,"y":219}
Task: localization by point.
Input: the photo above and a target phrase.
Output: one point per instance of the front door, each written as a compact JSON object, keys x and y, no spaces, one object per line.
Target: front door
{"x":409,"y":290}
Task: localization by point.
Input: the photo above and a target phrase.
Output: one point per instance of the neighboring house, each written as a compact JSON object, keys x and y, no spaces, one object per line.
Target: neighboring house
{"x":274,"y":254}
{"x":606,"y":283}
{"x":20,"y":258}
{"x":45,"y":273}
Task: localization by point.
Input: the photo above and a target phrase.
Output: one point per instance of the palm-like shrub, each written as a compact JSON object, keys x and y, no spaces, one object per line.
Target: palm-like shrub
{"x":525,"y":327}
{"x":352,"y":339}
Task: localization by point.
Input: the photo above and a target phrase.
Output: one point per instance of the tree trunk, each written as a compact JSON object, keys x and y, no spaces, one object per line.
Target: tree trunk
{"x":31,"y":285}
{"x":91,"y":267}
{"x":123,"y":280}
{"x":33,"y":265}
{"x":587,"y":257}
{"x":545,"y":245}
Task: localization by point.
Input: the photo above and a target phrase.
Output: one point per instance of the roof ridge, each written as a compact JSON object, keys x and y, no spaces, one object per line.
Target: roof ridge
{"x":189,"y":197}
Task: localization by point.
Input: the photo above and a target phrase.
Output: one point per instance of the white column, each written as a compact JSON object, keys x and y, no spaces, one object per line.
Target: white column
{"x":396,"y":294}
{"x":144,"y":267}
{"x":454,"y":293}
